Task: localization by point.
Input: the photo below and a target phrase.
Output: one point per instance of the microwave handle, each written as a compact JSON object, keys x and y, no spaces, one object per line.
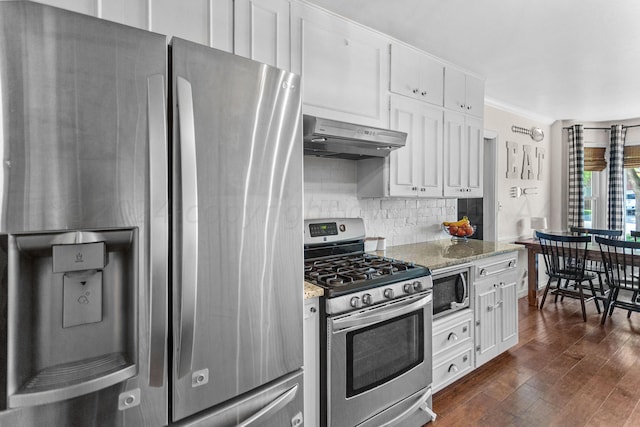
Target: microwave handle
{"x":460,"y":289}
{"x":366,"y":319}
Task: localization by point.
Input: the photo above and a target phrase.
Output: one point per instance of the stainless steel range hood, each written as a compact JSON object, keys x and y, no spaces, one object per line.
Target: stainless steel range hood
{"x":335,"y":139}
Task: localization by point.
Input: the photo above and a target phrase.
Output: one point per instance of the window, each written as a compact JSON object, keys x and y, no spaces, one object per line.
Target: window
{"x":591,"y":190}
{"x":632,"y":193}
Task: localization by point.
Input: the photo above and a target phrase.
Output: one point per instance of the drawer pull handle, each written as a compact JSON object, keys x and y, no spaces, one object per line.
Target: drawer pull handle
{"x":452,"y":337}
{"x":464,"y":358}
{"x":453,"y":368}
{"x":483,"y":272}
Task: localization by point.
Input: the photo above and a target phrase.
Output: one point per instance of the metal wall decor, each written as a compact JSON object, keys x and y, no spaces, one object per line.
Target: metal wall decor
{"x":535,"y":132}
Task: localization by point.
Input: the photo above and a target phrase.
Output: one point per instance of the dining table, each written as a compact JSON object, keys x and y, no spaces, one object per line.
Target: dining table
{"x":533,"y":249}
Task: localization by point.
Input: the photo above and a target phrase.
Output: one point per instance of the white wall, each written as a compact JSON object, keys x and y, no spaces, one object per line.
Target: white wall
{"x":330,"y":190}
{"x":514,"y":213}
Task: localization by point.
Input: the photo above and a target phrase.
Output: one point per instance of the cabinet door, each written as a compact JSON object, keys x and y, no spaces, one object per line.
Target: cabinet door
{"x":454,"y":89}
{"x":474,"y":96}
{"x":473,"y":156}
{"x":344,"y":67}
{"x":508,"y":313}
{"x":261,"y":31}
{"x":430,"y":169}
{"x":187,"y":20}
{"x":311,"y":331}
{"x":486,"y":313}
{"x":416,"y":168}
{"x":402,"y":164}
{"x":464,"y":155}
{"x":456,"y":176}
{"x":416,"y":75}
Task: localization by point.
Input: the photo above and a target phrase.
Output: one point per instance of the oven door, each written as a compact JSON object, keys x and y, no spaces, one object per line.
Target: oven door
{"x":376,"y":358}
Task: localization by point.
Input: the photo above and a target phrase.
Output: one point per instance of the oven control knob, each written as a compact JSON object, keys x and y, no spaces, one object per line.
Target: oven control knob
{"x":408,"y":288}
{"x":355,"y":302}
{"x":388,"y":293}
{"x":366,"y":299}
{"x":417,"y":286}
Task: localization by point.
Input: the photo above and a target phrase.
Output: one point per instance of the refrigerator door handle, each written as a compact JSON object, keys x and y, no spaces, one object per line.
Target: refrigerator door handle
{"x":158,"y":232}
{"x":278,"y":403}
{"x":188,"y":240}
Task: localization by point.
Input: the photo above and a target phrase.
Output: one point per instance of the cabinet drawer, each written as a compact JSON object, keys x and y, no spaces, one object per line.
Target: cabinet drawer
{"x":497,"y":265}
{"x":456,"y":333}
{"x":450,"y":369}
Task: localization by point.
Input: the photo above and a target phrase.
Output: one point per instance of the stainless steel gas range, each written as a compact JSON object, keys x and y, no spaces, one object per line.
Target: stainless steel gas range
{"x":375,"y":343}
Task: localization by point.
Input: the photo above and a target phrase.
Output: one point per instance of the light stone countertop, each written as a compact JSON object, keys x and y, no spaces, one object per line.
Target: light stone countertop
{"x":447,"y":252}
{"x":435,"y":255}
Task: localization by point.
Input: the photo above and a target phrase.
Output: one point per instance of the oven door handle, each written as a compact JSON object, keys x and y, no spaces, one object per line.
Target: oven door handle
{"x":421,"y":402}
{"x":365,"y":319}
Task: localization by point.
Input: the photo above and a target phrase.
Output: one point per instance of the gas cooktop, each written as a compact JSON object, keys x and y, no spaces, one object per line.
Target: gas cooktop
{"x":358,"y":271}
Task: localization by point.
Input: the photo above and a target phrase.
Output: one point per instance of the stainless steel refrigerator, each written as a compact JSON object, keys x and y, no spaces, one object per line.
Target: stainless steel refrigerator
{"x":151,"y":229}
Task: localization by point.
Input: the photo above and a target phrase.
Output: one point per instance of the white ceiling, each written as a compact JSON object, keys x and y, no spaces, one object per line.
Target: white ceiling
{"x":552,"y":59}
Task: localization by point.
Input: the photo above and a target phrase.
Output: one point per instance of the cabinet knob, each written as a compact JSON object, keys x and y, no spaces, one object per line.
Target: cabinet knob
{"x":423,"y":189}
{"x":512,"y":264}
{"x":313,"y":309}
{"x":415,"y":91}
{"x":424,"y":93}
{"x":461,"y":105}
{"x":468,"y":107}
{"x":414,"y":188}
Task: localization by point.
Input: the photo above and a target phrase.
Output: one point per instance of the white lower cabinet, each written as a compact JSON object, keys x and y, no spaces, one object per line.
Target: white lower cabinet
{"x":452,"y":348}
{"x":311,"y":360}
{"x":467,"y":339}
{"x":496,"y":306}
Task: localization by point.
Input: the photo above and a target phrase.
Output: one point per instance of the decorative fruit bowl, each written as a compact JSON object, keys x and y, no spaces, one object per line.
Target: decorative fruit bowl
{"x":461,"y":229}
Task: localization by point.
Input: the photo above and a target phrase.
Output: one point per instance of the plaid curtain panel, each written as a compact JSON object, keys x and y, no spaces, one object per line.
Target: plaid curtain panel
{"x":576,"y":169}
{"x":616,"y":178}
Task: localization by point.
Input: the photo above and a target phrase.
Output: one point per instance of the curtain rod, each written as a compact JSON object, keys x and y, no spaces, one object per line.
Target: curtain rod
{"x":624,"y":127}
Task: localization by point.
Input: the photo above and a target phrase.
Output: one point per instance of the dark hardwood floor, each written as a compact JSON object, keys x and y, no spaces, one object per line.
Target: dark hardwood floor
{"x":563,"y":372}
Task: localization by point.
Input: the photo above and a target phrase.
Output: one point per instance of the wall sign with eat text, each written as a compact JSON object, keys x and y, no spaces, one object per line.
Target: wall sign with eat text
{"x":531,"y":162}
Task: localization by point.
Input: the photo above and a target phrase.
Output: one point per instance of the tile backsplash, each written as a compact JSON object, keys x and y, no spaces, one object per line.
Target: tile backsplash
{"x":330,"y":190}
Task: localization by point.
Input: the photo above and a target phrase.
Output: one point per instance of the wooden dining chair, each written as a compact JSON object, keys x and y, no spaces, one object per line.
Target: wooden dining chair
{"x":635,"y":234}
{"x":594,"y":266}
{"x":622,"y":266}
{"x":565,"y":259}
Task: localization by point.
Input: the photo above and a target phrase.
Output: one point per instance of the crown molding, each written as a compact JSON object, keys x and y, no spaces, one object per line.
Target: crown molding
{"x":491,"y":102}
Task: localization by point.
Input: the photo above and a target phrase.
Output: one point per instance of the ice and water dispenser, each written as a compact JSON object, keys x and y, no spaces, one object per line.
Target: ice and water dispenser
{"x":72,"y":312}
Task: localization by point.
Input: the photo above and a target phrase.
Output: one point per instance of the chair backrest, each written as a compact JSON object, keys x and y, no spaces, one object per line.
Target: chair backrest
{"x":596,"y":231}
{"x":635,"y":234}
{"x":622,"y":262}
{"x":564,"y":255}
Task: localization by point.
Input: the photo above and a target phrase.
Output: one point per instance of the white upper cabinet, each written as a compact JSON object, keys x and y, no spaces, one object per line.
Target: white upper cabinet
{"x":261,"y":31}
{"x":416,"y":75}
{"x":202,"y":21}
{"x":463,"y":92}
{"x":344,"y":67}
{"x":187,"y":20}
{"x":463,"y":155}
{"x":416,"y":169}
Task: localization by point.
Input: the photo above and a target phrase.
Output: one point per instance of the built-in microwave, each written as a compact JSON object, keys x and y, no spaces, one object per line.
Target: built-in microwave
{"x":450,"y":290}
